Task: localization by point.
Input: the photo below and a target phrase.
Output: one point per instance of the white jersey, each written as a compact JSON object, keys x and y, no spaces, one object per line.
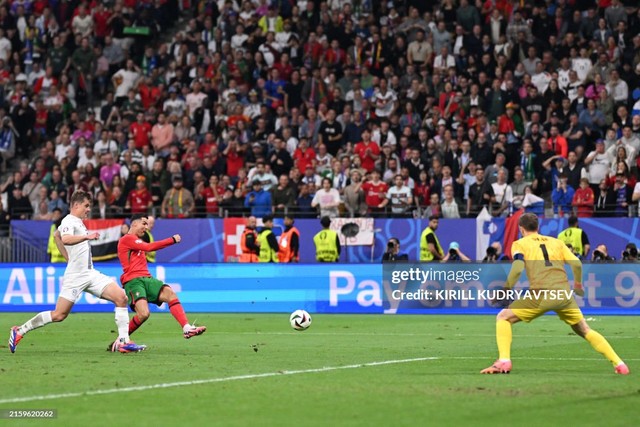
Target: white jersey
{"x":79,"y":254}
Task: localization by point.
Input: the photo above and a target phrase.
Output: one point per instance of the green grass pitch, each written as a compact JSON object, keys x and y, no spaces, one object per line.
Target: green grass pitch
{"x":254,"y":370}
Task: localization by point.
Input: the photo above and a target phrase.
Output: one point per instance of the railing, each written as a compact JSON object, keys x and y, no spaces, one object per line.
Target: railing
{"x":21,"y":248}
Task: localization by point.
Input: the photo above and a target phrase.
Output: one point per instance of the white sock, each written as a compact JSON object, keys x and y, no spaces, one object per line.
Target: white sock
{"x":38,"y":321}
{"x":122,"y":322}
{"x":186,"y":327}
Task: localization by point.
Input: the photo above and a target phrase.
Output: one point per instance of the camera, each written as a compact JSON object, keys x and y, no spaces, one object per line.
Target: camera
{"x":391,"y":246}
{"x":491,"y":252}
{"x":630,"y":253}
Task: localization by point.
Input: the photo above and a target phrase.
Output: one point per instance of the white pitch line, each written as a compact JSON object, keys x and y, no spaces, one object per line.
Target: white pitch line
{"x":209,"y":381}
{"x":554,"y":359}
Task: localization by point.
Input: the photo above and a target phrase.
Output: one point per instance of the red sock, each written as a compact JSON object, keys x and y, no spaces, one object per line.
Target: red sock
{"x":134,"y":324}
{"x":178,"y":312}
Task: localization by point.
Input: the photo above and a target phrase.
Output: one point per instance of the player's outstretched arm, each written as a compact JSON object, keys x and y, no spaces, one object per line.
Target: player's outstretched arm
{"x":58,"y":240}
{"x":70,"y":240}
{"x":133,"y":243}
{"x":517,"y":267}
{"x":576,"y":268}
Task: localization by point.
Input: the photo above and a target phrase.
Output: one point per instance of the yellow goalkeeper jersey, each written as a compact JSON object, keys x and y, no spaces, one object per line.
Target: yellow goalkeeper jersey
{"x":544,"y":258}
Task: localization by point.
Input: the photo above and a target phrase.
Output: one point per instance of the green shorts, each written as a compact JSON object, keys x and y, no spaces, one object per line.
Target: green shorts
{"x":143,"y":288}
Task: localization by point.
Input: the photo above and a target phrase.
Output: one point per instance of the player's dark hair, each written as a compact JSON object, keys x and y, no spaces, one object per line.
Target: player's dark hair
{"x":79,"y":196}
{"x":529,"y":222}
{"x":573,"y":221}
{"x":432,"y":217}
{"x":138,"y":216}
{"x":267,"y":218}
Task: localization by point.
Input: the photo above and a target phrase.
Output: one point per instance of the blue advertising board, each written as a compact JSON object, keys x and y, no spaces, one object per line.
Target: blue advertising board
{"x":317,"y":288}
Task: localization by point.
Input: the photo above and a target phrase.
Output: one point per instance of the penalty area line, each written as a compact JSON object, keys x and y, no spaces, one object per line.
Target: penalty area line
{"x":209,"y":381}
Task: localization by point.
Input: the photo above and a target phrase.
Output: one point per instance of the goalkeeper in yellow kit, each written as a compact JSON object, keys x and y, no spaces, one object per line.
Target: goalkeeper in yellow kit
{"x":543,"y":258}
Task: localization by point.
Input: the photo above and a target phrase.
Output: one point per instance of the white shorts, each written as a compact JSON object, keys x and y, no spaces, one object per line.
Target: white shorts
{"x":92,"y":282}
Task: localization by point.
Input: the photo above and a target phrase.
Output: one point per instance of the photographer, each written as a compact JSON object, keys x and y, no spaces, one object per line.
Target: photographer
{"x":393,"y":251}
{"x":601,"y":254}
{"x":494,"y":253}
{"x":455,"y":254}
{"x":630,"y":253}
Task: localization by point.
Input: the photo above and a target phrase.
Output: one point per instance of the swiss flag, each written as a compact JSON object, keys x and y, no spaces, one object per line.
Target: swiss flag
{"x":233,"y":228}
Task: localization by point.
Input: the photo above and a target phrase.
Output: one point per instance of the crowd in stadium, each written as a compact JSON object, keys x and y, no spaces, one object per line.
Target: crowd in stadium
{"x":405,"y":108}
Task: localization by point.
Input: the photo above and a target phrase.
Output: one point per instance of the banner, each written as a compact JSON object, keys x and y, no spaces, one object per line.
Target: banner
{"x":320,"y":288}
{"x":365,"y":231}
{"x":106,"y":246}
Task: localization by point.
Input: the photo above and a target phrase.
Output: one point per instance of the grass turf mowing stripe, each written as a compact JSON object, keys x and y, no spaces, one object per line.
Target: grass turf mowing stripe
{"x":210,"y":380}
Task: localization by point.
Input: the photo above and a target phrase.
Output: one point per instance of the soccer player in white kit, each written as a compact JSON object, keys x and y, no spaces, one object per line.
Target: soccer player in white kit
{"x":72,"y":238}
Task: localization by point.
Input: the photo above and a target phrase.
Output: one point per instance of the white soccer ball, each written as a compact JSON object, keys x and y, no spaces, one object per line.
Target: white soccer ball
{"x":300,"y":320}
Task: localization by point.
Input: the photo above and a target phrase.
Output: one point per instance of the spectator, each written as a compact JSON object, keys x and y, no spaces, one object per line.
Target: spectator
{"x":375,"y":194}
{"x":449,"y":207}
{"x":139,"y":199}
{"x":400,"y":198}
{"x":480,"y":194}
{"x":327,"y":199}
{"x":258,"y":200}
{"x":283,"y":197}
{"x":354,"y":196}
{"x":503,"y":196}
{"x":562,"y":197}
{"x":584,"y":200}
{"x":623,"y":196}
{"x":178,"y":202}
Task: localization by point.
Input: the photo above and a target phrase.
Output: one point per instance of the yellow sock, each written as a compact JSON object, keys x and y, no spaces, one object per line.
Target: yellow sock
{"x":503,"y":337}
{"x":602,"y":346}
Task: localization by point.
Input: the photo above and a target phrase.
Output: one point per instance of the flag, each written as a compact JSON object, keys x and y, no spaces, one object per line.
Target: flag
{"x":106,"y":246}
{"x":511,"y":232}
{"x":491,"y":229}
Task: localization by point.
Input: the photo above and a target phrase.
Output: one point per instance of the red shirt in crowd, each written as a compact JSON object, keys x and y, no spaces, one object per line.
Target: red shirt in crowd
{"x":140,"y":132}
{"x":368,"y":162}
{"x":139,"y":200}
{"x":211,"y":198}
{"x":374,"y":193}
{"x":304,"y":158}
{"x":234,"y":163}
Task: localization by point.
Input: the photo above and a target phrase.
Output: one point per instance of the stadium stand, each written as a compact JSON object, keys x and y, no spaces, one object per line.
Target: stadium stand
{"x":410,"y":108}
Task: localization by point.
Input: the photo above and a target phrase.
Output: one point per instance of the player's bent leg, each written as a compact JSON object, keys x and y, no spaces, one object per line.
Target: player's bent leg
{"x":177,"y":311}
{"x":62,"y":310}
{"x":114,"y":293}
{"x":601,"y":345}
{"x":504,"y":320}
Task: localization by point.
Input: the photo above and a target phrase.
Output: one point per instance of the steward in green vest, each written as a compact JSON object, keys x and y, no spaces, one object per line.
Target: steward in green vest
{"x":267,"y":241}
{"x":430,"y":249}
{"x":327,"y":243}
{"x":52,"y":249}
{"x":148,"y":237}
{"x":576,"y":238}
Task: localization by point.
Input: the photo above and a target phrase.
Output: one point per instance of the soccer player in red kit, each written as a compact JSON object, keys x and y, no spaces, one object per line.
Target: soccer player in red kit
{"x":141,"y":288}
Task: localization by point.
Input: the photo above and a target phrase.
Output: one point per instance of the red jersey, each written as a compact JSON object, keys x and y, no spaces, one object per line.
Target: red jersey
{"x":360,"y":149}
{"x":140,"y":132}
{"x":210,"y":199}
{"x":139,"y":200}
{"x":304,"y":158}
{"x":374,"y":193}
{"x":131,"y":252}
